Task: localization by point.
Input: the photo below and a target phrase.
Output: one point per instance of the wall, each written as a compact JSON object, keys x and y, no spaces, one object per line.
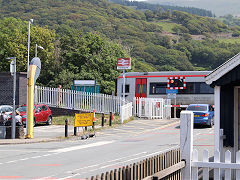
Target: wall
{"x":6,"y":88}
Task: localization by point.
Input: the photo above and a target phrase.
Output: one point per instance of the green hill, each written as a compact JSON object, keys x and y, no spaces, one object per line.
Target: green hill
{"x":156,"y":40}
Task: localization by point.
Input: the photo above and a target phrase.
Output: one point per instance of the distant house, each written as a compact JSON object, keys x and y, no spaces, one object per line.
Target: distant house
{"x":225,"y":80}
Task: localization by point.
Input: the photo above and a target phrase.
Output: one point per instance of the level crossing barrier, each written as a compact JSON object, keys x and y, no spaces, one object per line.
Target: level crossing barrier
{"x":152,"y":108}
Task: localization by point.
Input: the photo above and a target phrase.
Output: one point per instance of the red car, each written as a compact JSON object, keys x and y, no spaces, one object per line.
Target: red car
{"x":42,"y":114}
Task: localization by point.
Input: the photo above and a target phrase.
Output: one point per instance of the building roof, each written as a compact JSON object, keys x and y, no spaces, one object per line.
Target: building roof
{"x":223,"y":69}
{"x":166,"y":73}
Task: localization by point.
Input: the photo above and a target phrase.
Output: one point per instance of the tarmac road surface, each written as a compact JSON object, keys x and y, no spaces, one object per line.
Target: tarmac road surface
{"x":110,"y":149}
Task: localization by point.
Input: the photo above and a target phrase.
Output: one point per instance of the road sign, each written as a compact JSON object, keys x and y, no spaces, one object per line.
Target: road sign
{"x":171,"y":96}
{"x":171,"y":91}
{"x":123,"y":63}
{"x":83,"y":120}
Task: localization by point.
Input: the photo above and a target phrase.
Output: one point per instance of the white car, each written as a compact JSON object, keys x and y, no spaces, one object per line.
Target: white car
{"x":6,"y":108}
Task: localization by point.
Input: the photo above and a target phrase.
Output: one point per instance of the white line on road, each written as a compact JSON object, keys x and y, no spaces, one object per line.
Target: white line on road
{"x":57,"y":151}
{"x":106,"y":162}
{"x":81,"y":147}
{"x":102,"y":167}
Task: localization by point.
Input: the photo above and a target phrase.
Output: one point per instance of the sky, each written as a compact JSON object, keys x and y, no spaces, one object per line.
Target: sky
{"x":218,"y":7}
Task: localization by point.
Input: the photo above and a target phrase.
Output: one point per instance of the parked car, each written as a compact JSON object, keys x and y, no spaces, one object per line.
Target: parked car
{"x":6,"y":108}
{"x":203,"y":114}
{"x":42,"y":114}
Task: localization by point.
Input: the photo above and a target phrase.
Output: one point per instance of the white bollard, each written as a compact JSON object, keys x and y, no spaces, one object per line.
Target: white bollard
{"x":186,"y":142}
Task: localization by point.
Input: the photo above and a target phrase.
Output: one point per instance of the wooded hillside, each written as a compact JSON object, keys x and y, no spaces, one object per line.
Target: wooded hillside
{"x":84,"y":34}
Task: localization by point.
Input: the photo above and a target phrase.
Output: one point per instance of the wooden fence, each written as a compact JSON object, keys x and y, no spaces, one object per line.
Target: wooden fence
{"x":165,"y":166}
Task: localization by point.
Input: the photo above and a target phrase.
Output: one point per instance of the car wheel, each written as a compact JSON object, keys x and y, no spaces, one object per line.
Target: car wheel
{"x":49,"y":120}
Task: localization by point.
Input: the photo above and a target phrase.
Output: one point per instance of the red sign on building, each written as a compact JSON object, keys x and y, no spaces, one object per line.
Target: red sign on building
{"x":123,"y":63}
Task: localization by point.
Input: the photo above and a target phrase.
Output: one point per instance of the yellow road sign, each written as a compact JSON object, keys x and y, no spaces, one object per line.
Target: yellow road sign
{"x":83,"y":120}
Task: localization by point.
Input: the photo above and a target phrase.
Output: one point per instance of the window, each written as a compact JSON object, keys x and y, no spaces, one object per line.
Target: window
{"x":126,"y":88}
{"x":44,"y":108}
{"x":144,"y":88}
{"x":38,"y":109}
{"x":138,"y":88}
{"x":196,"y":88}
{"x":158,"y":88}
{"x":197,"y":108}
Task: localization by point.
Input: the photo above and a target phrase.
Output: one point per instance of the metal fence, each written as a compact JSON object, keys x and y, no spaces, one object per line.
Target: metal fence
{"x":152,"y":108}
{"x":71,"y":99}
{"x":126,"y":111}
{"x":164,"y":166}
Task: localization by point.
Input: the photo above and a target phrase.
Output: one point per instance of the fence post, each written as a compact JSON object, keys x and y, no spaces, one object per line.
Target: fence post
{"x":186,"y":141}
{"x":121,"y":113}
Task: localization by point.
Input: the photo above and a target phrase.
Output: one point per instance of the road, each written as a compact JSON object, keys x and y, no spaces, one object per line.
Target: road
{"x":110,"y":149}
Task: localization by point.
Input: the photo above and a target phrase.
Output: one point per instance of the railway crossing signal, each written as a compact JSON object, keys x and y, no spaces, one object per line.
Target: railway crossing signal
{"x":176,"y":83}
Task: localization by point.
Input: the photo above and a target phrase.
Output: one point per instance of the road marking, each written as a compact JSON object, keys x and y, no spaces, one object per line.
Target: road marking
{"x":94,"y":165}
{"x":46,"y":164}
{"x":10,"y":177}
{"x":102,"y":167}
{"x":63,"y":150}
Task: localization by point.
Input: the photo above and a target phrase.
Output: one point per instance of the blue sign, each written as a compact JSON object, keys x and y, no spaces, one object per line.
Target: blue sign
{"x":171,"y":91}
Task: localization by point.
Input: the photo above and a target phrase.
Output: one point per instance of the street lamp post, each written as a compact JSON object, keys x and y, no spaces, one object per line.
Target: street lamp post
{"x":29,"y":26}
{"x":36,"y":47}
{"x":13,"y":73}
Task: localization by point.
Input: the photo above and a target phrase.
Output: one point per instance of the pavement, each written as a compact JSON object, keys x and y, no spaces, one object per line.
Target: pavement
{"x":45,"y":133}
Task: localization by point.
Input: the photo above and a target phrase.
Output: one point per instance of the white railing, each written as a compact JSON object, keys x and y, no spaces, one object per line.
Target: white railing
{"x":70,"y":99}
{"x":152,"y":108}
{"x":218,"y":166}
{"x":126,"y":111}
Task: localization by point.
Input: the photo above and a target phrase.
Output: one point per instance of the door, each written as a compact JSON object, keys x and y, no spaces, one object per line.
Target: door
{"x":38,"y":114}
{"x":45,"y":113}
{"x":141,"y":87}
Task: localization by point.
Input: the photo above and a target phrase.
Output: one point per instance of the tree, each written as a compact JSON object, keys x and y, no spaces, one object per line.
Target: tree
{"x":88,"y":56}
{"x":14,"y":43}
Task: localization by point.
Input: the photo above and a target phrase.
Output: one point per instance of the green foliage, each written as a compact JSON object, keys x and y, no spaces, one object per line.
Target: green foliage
{"x":14,"y":40}
{"x":163,"y":8}
{"x":88,"y":56}
{"x":90,"y":35}
{"x":197,"y":24}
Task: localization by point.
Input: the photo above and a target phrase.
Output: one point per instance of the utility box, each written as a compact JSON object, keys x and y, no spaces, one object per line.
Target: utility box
{"x":89,"y":86}
{"x":2,"y":132}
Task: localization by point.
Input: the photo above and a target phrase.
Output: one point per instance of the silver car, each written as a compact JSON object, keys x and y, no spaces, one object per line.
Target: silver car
{"x":6,"y":108}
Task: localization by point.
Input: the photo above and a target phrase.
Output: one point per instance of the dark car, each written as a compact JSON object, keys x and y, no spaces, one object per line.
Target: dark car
{"x":203,"y":114}
{"x":42,"y":114}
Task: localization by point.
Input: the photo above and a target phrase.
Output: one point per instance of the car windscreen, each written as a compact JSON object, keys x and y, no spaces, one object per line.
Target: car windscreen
{"x":23,"y":109}
{"x":197,"y":108}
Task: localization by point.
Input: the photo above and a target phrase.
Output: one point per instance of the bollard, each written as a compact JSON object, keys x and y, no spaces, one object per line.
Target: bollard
{"x":75,"y":131}
{"x":94,"y":119}
{"x":110,"y":119}
{"x":66,"y":128}
{"x":102,"y":119}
